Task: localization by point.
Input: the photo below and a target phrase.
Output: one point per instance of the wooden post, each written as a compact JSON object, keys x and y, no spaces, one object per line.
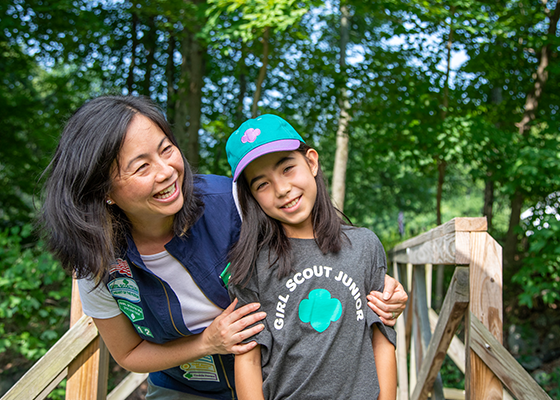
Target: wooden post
{"x":485,"y":293}
{"x":401,"y":348}
{"x":423,"y":326}
{"x":87,"y":374}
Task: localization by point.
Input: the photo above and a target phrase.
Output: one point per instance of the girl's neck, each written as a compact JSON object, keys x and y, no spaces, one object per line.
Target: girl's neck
{"x":299,"y":232}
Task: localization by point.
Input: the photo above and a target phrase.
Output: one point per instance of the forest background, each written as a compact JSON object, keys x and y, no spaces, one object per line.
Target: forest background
{"x":421,"y":110}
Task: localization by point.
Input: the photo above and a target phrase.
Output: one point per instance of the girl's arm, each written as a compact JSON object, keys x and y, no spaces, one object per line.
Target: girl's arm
{"x":386,"y":365}
{"x":392,"y":300}
{"x":221,"y":337}
{"x":248,"y":375}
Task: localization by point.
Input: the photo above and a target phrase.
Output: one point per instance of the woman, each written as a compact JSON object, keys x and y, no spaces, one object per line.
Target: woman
{"x":148,"y":242}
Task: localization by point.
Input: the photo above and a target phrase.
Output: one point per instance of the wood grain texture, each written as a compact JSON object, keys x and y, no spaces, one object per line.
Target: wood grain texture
{"x":127,"y":386}
{"x":88,"y":372}
{"x":486,"y":305}
{"x":49,"y":367}
{"x":455,"y":225}
{"x":402,"y":367}
{"x":425,"y":333}
{"x":452,"y":313}
{"x":519,"y":382}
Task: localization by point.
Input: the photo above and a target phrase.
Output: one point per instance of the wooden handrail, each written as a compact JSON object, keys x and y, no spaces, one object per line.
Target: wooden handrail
{"x":54,"y":364}
{"x":475,"y":295}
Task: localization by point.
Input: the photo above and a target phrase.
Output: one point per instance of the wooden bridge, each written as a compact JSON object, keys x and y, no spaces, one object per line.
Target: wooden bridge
{"x":474,"y":297}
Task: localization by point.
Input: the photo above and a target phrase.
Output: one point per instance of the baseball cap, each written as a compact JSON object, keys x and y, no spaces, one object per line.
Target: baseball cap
{"x":257,"y":137}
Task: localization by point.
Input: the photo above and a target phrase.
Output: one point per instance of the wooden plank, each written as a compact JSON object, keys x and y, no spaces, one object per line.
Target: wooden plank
{"x":454,"y":394}
{"x":87,"y":374}
{"x":519,"y":382}
{"x":54,"y":362}
{"x":127,"y":386}
{"x":402,"y":367}
{"x":47,"y":391}
{"x":452,"y":313}
{"x":455,"y":225}
{"x":456,"y":350}
{"x":421,"y":311}
{"x":485,"y":304}
{"x":451,"y":249}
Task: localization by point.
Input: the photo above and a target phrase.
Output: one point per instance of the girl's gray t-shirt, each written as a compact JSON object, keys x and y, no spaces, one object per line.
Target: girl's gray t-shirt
{"x":317,"y":338}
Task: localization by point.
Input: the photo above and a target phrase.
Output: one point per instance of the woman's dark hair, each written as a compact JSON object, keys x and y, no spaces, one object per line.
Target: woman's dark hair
{"x":82,"y":231}
{"x":259,"y":231}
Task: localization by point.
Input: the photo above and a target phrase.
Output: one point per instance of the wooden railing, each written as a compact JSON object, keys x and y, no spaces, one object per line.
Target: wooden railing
{"x":82,"y":358}
{"x":474,"y":297}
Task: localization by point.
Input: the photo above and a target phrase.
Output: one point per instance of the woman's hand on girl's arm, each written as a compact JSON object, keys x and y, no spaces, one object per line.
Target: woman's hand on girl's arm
{"x":386,"y":365}
{"x":389,"y":304}
{"x":248,"y":375}
{"x":227,"y":331}
{"x":221,"y":337}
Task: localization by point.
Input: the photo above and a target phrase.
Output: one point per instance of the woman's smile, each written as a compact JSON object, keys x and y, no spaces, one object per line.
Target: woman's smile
{"x":168,"y":194}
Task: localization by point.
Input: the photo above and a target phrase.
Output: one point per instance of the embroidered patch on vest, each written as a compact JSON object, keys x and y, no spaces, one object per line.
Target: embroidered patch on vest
{"x":203,"y":369}
{"x":120,"y":266}
{"x":132,"y":311}
{"x":125,"y":289}
{"x":143,"y":330}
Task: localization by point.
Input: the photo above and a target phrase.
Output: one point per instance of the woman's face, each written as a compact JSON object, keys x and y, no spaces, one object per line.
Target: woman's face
{"x":147,"y":185}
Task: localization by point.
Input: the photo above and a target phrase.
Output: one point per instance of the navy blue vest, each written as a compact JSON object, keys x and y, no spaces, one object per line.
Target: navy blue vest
{"x":152,"y":306}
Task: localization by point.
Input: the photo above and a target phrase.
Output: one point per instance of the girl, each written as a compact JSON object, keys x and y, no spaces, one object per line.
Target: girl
{"x":309,"y":271}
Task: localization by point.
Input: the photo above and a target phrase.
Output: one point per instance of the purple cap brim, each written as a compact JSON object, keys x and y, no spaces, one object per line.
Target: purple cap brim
{"x":272,"y":147}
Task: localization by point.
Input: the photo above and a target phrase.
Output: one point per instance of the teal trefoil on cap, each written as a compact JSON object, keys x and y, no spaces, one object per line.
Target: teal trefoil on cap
{"x":257,"y":137}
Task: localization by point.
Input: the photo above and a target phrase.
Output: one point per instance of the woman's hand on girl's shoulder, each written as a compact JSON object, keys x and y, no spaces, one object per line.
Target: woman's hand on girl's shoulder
{"x":389,"y":304}
{"x":229,"y":329}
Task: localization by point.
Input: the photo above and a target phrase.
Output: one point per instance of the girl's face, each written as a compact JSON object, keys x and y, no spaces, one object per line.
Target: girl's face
{"x":283,"y":184}
{"x":147,"y":185}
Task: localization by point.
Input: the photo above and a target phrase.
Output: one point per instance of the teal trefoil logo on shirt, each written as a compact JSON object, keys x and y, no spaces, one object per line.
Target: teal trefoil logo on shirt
{"x":320,"y":309}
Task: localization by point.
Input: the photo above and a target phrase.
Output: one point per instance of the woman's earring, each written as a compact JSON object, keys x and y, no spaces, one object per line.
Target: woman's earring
{"x":110,"y":202}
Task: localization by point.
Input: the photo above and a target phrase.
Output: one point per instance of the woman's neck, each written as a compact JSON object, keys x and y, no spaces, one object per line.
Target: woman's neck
{"x":151,"y":239}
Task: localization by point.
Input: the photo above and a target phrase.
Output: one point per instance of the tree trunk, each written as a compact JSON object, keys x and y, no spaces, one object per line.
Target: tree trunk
{"x":512,"y":238}
{"x":262,"y":72}
{"x":197,"y":65}
{"x":341,"y":154}
{"x":242,"y":86}
{"x":170,"y":77}
{"x":181,"y":102}
{"x":130,"y":77}
{"x":441,"y":165}
{"x":150,"y":45}
{"x":488,"y":208}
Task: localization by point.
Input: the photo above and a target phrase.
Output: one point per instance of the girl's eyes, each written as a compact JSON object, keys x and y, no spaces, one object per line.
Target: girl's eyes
{"x":288,"y":169}
{"x":167,"y":148}
{"x":260,"y":186}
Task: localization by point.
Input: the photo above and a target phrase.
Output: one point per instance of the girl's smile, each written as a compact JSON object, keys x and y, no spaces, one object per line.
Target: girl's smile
{"x":283,"y":183}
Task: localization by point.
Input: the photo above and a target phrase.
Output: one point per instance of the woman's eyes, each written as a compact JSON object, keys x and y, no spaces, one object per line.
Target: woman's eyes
{"x":142,"y":167}
{"x":288,"y":168}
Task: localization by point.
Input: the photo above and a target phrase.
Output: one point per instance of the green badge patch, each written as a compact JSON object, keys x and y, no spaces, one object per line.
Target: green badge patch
{"x":132,"y":311}
{"x":143,"y":330}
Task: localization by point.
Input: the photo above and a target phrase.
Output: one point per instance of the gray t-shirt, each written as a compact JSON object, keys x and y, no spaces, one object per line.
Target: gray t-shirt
{"x":317,"y":338}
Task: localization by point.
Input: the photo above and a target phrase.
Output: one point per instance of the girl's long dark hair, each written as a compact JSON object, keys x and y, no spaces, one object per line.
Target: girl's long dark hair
{"x":259,"y":231}
{"x":82,"y":231}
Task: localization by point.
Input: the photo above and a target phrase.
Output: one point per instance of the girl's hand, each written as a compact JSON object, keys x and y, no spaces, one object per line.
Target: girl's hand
{"x":227,"y":331}
{"x":389,"y":304}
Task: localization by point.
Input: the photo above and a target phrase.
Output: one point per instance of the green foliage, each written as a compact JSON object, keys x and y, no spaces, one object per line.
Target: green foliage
{"x":540,"y":274}
{"x":34,"y":296}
